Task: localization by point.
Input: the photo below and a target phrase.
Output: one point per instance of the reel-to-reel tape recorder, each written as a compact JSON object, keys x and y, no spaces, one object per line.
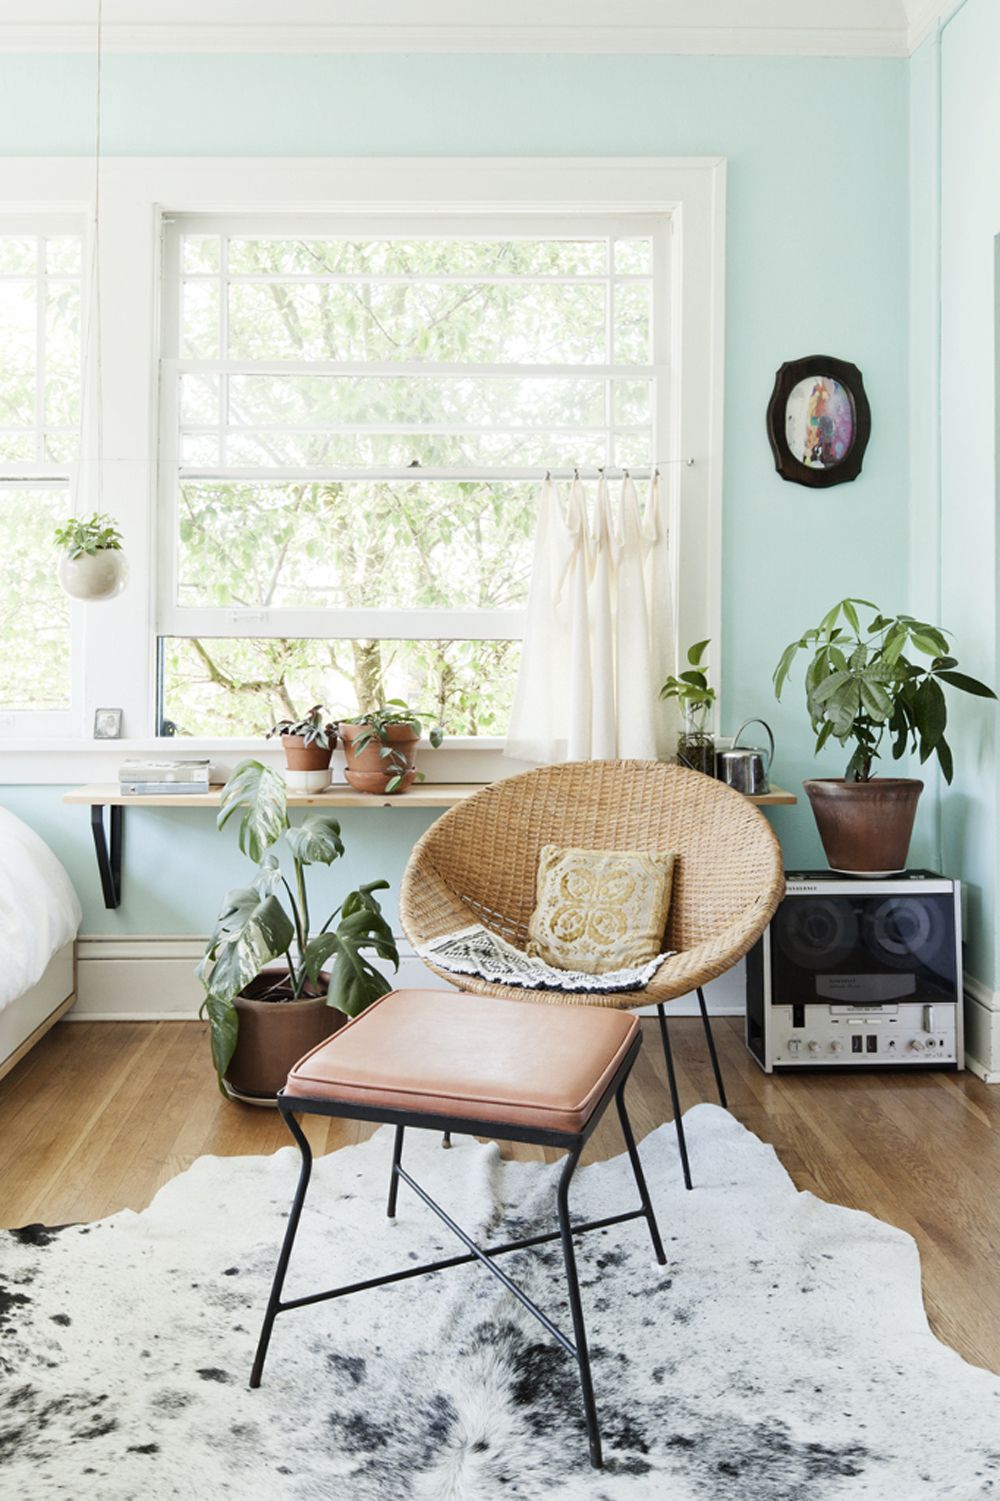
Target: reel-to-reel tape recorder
{"x":859,"y":972}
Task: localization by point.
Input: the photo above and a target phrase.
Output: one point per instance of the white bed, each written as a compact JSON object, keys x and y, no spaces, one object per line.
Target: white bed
{"x":39,"y":919}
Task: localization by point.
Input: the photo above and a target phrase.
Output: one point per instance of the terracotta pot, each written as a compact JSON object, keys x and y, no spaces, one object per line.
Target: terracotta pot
{"x":302,"y":757}
{"x":366,"y":770}
{"x":865,"y":826}
{"x":274,"y":1035}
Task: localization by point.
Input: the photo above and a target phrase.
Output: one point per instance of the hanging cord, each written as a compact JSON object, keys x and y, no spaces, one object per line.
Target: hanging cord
{"x":94,"y":347}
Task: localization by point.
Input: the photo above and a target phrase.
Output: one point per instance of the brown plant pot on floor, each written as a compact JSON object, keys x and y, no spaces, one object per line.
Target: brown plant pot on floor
{"x":865,"y":826}
{"x":367,"y":770}
{"x":275,"y":1034}
{"x":302,"y":757}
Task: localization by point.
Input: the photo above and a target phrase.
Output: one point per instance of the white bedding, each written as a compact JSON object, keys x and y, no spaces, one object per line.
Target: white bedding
{"x":39,"y":910}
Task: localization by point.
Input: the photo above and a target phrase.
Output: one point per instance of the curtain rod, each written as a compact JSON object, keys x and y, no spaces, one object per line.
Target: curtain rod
{"x":626,"y":471}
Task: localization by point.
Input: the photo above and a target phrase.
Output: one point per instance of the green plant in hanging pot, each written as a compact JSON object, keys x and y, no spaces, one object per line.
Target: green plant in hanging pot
{"x":380,"y":747}
{"x":694,"y":698}
{"x":264,"y":1016}
{"x":93,"y":565}
{"x":864,"y":689}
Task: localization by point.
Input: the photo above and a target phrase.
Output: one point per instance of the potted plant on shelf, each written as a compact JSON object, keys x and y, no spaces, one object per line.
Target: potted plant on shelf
{"x":862,"y":685}
{"x":93,"y":565}
{"x":264,"y":1017}
{"x":308,"y":744}
{"x":381,"y":747}
{"x":695,"y":747}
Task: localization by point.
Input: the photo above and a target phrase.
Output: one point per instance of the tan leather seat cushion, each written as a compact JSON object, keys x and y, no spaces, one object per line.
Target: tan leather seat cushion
{"x":478,"y":1057}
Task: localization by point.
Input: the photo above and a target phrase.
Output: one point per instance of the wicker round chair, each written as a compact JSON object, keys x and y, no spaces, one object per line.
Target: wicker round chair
{"x":478,"y":863}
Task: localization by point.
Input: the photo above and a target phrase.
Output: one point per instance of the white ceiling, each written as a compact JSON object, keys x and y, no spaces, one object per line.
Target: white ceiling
{"x":845,"y":28}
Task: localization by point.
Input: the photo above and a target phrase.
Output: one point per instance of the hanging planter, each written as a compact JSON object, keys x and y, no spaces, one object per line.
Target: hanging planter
{"x":93,"y":566}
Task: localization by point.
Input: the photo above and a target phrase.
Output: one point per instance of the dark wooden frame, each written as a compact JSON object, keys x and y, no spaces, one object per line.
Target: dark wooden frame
{"x":785,"y":381}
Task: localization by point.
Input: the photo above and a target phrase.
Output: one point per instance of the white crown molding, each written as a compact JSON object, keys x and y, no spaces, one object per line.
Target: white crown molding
{"x":742,"y":41}
{"x":925,"y":17}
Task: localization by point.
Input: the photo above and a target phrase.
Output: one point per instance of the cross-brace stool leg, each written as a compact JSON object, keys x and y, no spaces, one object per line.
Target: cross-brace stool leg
{"x":577,"y":1347}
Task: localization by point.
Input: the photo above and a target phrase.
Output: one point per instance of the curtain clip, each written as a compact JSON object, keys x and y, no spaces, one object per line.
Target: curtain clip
{"x":548,"y":475}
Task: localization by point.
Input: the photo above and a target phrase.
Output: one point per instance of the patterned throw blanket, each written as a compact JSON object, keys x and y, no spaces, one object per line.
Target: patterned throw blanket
{"x":477,"y":951}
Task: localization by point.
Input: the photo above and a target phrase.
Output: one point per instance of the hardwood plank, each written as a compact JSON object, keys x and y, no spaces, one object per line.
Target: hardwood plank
{"x":100,"y":1115}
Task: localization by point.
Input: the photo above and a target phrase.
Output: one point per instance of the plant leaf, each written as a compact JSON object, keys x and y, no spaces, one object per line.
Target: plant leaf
{"x":316,"y":841}
{"x":317,"y":952}
{"x":830,"y":685}
{"x":945,"y":760}
{"x":250,"y":931}
{"x":930,"y":715}
{"x":875,"y":701}
{"x":224,"y":1026}
{"x":260,"y":795}
{"x":966,"y":684}
{"x":696,"y":652}
{"x":354,"y":982}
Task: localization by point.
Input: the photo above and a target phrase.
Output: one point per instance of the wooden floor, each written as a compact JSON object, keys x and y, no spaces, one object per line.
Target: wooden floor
{"x":99,"y":1115}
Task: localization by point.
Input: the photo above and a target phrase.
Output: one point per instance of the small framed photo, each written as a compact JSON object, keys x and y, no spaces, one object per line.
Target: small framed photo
{"x":107,"y":724}
{"x":818,"y":421}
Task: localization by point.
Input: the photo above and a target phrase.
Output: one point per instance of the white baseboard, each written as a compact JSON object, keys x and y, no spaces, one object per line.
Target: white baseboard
{"x":151,"y":978}
{"x":982,"y":1030}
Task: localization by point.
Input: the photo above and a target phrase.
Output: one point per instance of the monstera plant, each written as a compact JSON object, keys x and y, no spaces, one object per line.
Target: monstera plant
{"x":263,"y":1014}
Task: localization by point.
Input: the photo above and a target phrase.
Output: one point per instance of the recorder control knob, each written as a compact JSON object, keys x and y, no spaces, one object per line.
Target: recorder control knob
{"x":836,"y":1047}
{"x":814,"y":1047}
{"x":916,"y":1045}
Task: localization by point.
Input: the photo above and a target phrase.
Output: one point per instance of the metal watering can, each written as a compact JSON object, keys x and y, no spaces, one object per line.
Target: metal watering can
{"x":746,"y":768}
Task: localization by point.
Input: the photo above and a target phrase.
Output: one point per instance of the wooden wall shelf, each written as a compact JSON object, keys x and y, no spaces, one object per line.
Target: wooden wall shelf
{"x":108,"y":842}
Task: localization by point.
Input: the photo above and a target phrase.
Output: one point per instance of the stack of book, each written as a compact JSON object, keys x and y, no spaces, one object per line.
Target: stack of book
{"x":155,"y":778}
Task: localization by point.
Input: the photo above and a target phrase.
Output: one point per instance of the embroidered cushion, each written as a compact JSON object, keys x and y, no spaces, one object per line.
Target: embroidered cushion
{"x":599,"y":910}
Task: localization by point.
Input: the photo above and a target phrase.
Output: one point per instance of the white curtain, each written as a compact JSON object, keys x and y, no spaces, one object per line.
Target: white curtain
{"x":599,"y":636}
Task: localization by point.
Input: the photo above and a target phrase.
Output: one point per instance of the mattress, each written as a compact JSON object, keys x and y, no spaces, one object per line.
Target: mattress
{"x":39,"y":910}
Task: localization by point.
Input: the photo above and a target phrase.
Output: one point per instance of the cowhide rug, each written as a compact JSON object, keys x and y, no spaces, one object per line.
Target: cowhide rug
{"x":781,"y":1355}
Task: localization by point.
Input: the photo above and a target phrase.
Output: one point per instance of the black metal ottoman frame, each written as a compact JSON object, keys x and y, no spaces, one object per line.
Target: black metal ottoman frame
{"x":573,"y":1144}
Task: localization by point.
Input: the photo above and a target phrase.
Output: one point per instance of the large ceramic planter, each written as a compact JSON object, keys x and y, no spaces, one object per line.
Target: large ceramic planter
{"x":273,"y":1036}
{"x":366,"y":770}
{"x":308,"y":766}
{"x":865,"y":826}
{"x":94,"y":576}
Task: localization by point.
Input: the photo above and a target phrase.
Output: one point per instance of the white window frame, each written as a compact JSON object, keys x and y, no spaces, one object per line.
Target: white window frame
{"x":138,"y":193}
{"x":41,"y":474}
{"x":174,"y":619}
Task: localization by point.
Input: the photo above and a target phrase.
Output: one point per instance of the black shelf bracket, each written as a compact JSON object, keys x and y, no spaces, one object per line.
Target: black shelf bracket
{"x":109,"y":863}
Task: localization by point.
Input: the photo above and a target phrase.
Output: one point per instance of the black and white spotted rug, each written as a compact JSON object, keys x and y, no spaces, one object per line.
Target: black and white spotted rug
{"x":781,"y":1355}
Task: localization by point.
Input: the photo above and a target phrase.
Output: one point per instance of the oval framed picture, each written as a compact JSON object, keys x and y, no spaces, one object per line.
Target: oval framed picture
{"x":818,"y":421}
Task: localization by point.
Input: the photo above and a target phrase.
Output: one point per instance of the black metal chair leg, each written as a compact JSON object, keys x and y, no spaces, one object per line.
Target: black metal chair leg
{"x":446,"y":1139}
{"x":640,"y":1177}
{"x":576,"y":1308}
{"x":397,"y":1153}
{"x":674,"y":1097}
{"x":274,"y":1302}
{"x":711,"y":1048}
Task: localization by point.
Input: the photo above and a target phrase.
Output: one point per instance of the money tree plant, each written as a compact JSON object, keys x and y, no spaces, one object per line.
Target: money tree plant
{"x":864,"y":683}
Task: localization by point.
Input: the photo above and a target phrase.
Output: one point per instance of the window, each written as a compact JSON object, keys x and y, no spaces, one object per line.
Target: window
{"x":40,"y":394}
{"x":355,"y":421}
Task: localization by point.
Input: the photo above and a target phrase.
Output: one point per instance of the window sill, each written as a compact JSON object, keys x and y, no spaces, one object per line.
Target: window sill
{"x":27,"y":760}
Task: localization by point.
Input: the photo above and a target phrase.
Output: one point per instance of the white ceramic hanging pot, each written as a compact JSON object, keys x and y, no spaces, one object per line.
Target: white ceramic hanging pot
{"x":94,"y":575}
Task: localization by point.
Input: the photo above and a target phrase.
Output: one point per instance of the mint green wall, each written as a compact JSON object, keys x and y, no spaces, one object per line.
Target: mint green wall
{"x":817,"y":262}
{"x":955,"y":115}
